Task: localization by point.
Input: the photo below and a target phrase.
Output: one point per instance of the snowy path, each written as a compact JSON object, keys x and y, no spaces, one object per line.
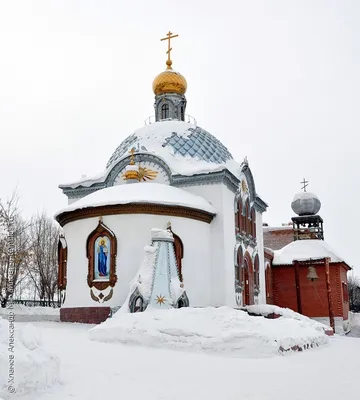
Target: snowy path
{"x":92,"y":370}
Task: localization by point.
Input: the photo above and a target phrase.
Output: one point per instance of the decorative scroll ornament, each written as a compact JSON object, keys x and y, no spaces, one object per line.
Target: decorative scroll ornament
{"x":99,"y":296}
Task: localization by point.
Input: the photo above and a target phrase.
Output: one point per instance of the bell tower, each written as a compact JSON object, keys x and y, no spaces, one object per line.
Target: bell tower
{"x":169,"y":88}
{"x":308,"y":224}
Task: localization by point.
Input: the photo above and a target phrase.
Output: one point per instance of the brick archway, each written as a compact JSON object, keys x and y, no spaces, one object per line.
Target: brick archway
{"x":248,"y":292}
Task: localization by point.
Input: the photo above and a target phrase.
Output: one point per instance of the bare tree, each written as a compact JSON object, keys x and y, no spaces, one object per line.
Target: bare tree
{"x":43,"y":268}
{"x":14,"y":246}
{"x":354,"y":293}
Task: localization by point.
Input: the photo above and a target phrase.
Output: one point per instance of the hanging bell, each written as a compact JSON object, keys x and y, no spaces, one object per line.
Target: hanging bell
{"x":312,"y":275}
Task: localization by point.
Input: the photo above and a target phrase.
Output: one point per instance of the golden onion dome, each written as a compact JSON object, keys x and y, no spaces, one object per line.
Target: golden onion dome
{"x":169,"y":81}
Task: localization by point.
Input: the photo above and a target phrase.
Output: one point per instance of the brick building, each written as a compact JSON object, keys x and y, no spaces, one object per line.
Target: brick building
{"x":302,"y":271}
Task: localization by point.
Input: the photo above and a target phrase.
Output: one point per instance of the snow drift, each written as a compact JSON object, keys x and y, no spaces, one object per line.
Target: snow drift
{"x":34,"y":368}
{"x":267,"y":309}
{"x":215,"y":330}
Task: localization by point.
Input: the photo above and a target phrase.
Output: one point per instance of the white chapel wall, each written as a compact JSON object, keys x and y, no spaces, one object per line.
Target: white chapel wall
{"x":213,"y":193}
{"x":133,"y":233}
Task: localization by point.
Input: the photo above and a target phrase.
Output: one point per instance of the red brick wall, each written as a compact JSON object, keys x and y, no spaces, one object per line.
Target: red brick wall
{"x":313,"y":294}
{"x":86,"y":315}
{"x":278,"y":238}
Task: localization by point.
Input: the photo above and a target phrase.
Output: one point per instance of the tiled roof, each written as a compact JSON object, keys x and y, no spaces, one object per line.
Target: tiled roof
{"x":194,"y":142}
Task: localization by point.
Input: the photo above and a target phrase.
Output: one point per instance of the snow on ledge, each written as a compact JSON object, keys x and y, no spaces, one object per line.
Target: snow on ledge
{"x":210,"y":330}
{"x":154,"y":193}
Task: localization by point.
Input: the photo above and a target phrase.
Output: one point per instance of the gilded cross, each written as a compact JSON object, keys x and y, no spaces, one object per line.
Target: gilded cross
{"x":168,"y":37}
{"x":132,"y":151}
{"x":305,"y":184}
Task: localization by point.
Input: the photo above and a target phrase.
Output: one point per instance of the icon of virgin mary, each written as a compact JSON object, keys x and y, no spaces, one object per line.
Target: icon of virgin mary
{"x":102,"y":258}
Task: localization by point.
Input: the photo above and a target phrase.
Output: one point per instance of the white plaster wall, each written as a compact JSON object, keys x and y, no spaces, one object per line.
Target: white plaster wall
{"x":214,"y":194}
{"x":230,"y":242}
{"x":133,"y":233}
{"x":260,"y":246}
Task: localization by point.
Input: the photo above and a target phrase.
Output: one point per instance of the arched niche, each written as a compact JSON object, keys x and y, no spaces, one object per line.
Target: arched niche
{"x":101,"y":250}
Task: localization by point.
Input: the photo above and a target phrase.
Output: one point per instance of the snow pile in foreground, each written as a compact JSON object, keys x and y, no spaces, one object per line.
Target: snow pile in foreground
{"x":215,"y":330}
{"x":34,"y":369}
{"x":267,"y":309}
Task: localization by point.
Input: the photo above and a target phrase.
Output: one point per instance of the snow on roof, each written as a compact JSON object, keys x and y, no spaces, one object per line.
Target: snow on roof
{"x":277,"y":228}
{"x":151,"y":193}
{"x":187,"y":150}
{"x":305,"y":250}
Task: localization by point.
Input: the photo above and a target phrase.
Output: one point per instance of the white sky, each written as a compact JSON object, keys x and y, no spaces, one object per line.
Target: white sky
{"x":277,"y":81}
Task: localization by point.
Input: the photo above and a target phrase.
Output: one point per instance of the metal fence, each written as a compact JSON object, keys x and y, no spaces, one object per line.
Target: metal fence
{"x":38,"y":303}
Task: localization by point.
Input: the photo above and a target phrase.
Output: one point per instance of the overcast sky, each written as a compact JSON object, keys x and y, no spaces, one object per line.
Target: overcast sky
{"x":276,"y":81}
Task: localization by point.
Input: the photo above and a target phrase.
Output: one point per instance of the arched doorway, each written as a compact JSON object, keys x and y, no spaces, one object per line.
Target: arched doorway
{"x":248,"y":292}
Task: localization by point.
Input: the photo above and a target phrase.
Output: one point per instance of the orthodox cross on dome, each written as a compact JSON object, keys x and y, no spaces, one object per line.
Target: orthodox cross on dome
{"x":304,"y":183}
{"x":168,"y":37}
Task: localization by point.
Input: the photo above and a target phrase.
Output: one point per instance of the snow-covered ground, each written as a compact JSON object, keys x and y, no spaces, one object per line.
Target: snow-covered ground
{"x":93,"y":370}
{"x":210,"y":330}
{"x":23,"y":358}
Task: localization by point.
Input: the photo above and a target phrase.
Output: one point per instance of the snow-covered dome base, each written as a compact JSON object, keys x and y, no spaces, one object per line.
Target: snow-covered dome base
{"x":185,"y":147}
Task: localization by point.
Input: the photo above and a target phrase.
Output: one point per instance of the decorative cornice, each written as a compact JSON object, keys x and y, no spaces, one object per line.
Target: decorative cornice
{"x":260,"y":205}
{"x":109,"y":179}
{"x":135,"y":208}
{"x":211,"y":178}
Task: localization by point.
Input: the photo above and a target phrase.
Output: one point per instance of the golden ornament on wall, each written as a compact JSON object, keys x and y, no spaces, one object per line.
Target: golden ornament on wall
{"x":244,"y":187}
{"x":145,"y":174}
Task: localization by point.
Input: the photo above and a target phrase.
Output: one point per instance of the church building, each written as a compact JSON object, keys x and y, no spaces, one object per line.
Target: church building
{"x":171,"y":175}
{"x":302,"y":272}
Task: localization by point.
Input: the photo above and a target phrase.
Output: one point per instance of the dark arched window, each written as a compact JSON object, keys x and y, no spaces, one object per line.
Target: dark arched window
{"x":239,"y":266}
{"x":165,"y":113}
{"x":248,"y":217}
{"x":182,"y":113}
{"x":62,"y":260}
{"x":237,"y":220}
{"x":241,"y":217}
{"x":268,"y":283}
{"x":256,"y":273}
{"x":253,"y":223}
{"x":138,"y":305}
